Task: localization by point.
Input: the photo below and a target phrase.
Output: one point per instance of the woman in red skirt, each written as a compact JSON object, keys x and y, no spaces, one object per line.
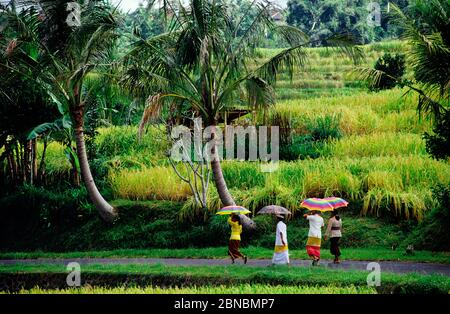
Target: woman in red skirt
{"x":314,"y":236}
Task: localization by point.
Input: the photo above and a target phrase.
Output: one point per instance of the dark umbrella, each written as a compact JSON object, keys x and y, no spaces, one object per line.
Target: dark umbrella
{"x":274,"y":210}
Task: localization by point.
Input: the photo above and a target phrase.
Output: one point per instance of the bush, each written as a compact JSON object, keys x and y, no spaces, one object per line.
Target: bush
{"x":394,"y":68}
{"x":326,"y":127}
{"x":432,"y":233}
{"x":33,"y":214}
{"x":319,"y":131}
{"x":438,"y":144}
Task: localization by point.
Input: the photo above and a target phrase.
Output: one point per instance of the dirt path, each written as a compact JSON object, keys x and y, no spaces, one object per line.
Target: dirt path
{"x":387,"y":266}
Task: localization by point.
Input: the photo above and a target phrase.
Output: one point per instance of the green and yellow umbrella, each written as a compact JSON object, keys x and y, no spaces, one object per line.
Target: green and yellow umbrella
{"x":233,"y":209}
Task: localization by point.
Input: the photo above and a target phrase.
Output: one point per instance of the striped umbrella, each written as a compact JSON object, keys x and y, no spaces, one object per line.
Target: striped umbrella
{"x":317,"y":204}
{"x":336,"y":202}
{"x":233,"y":209}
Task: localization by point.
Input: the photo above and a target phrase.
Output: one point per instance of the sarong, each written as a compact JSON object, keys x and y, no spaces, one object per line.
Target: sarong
{"x":334,"y":246}
{"x":233,"y":249}
{"x":280,"y":255}
{"x":313,"y":247}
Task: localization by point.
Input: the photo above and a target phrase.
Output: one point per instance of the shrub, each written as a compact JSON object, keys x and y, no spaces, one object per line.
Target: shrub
{"x":394,"y":68}
{"x":326,"y":127}
{"x":31,"y":213}
{"x":309,"y":145}
{"x":438,"y":144}
{"x":432,"y":233}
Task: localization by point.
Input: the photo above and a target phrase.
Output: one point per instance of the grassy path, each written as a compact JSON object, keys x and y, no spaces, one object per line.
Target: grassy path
{"x":386,"y":266}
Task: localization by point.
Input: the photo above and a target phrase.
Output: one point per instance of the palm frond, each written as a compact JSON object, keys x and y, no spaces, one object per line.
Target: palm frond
{"x":288,"y":59}
{"x":260,"y":93}
{"x":347,"y":44}
{"x":292,"y":35}
{"x":369,"y":75}
{"x":151,"y":112}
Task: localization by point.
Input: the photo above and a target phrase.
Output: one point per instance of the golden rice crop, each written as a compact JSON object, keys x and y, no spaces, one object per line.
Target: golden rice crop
{"x":392,"y":185}
{"x":159,"y":183}
{"x":376,"y":144}
{"x":362,"y":113}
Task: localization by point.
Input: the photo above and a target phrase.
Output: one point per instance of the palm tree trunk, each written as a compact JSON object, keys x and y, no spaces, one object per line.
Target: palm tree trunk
{"x":41,"y":171}
{"x":219,"y":180}
{"x":106,"y":211}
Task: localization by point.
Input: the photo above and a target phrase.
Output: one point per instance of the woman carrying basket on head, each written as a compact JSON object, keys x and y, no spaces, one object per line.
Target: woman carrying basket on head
{"x":235,"y":238}
{"x":314,"y":236}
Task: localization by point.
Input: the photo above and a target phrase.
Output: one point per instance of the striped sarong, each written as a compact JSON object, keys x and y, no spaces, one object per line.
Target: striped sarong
{"x":280,"y":255}
{"x":313,"y":247}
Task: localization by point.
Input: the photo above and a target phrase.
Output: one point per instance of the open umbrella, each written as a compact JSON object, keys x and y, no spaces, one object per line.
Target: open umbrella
{"x":233,"y":209}
{"x":336,"y":202}
{"x":317,"y":204}
{"x":274,"y":210}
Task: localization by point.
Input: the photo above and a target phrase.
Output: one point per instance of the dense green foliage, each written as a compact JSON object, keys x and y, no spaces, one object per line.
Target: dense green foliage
{"x":438,"y":142}
{"x":433,"y":232}
{"x":319,"y":18}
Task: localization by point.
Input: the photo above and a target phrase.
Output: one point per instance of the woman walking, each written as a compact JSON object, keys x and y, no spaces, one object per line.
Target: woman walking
{"x":314,"y":236}
{"x":281,"y":254}
{"x":334,"y":232}
{"x":235,"y":238}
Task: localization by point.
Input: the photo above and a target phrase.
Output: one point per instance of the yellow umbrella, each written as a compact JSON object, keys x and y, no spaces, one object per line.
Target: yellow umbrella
{"x":233,"y":209}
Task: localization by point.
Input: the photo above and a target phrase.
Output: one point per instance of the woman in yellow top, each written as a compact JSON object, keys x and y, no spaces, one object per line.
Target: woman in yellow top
{"x":235,"y":238}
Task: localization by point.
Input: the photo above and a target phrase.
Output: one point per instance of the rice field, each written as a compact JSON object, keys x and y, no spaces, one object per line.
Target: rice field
{"x":236,"y":289}
{"x":380,"y":163}
{"x":148,"y":183}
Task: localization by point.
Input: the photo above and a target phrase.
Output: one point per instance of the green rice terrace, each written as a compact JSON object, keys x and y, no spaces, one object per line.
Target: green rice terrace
{"x":149,"y":229}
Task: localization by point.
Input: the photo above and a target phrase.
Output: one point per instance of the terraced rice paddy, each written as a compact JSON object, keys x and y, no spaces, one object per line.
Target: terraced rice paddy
{"x":379,"y":163}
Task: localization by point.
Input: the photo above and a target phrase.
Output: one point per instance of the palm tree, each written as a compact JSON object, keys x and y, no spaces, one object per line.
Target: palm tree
{"x":207,"y":63}
{"x":66,"y":57}
{"x":425,"y":26}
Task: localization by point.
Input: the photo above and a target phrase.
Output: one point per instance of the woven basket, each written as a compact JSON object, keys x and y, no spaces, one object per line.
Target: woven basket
{"x":248,"y":225}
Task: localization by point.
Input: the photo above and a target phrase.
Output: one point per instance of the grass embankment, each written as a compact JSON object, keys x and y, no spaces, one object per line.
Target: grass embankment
{"x":238,"y":289}
{"x":157,"y":224}
{"x":17,"y":277}
{"x":363,"y":254}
